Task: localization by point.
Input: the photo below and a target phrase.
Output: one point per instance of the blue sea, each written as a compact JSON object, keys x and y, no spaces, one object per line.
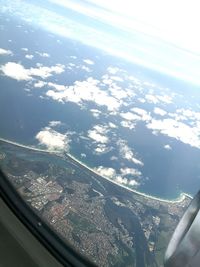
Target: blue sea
{"x":25,"y":111}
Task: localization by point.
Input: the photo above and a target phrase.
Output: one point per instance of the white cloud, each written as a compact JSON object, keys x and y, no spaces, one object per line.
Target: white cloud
{"x":149,"y":84}
{"x":100,"y":139}
{"x":88,"y":61}
{"x":54,"y":123}
{"x":117,"y":78}
{"x":178,"y":130}
{"x":95,"y":112}
{"x":43,"y":54}
{"x":98,"y":134}
{"x":117,"y":91}
{"x":101,"y":128}
{"x":144,"y":115}
{"x":125,"y":181}
{"x":130,"y":171}
{"x":112,"y":125}
{"x":113,"y":70}
{"x":189,"y":114}
{"x":134,"y":80}
{"x":57,"y":23}
{"x":39,"y":84}
{"x":114,"y":158}
{"x":107,"y":172}
{"x":106,"y":80}
{"x":130,"y":116}
{"x":155,"y":99}
{"x":29,"y":56}
{"x":165,"y":99}
{"x":58,"y":87}
{"x":25,"y":49}
{"x":128,"y":124}
{"x":16,"y":71}
{"x":45,"y":72}
{"x":5,"y":52}
{"x":52,"y":139}
{"x":19,"y":73}
{"x":133,"y":183}
{"x":152,"y":99}
{"x":142,"y":100}
{"x":102,"y":149}
{"x":159,"y":111}
{"x":167,"y":147}
{"x":87,"y":90}
{"x":126,"y":153}
{"x":85,"y":68}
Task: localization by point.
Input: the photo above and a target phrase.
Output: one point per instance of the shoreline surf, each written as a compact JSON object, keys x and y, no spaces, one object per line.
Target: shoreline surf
{"x":179,"y":199}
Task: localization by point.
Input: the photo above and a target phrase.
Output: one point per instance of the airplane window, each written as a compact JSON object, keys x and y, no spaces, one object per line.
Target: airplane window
{"x":100,"y":120}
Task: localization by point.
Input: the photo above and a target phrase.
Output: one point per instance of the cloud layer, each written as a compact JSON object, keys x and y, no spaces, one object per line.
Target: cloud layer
{"x":18,"y":72}
{"x":53,"y":140}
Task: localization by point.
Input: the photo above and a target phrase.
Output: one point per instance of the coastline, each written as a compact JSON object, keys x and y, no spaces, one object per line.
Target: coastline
{"x":176,"y":200}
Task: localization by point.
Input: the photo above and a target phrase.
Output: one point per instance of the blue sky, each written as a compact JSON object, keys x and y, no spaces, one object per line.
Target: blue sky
{"x":160,"y":35}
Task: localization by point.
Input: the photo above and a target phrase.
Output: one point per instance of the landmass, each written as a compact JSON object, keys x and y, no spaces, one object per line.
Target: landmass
{"x":111,"y":225}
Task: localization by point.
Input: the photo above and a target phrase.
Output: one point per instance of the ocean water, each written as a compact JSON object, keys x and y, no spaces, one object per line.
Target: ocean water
{"x":23,"y":113}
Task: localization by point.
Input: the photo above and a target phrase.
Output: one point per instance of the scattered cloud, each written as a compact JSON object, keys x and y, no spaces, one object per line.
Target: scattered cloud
{"x":87,"y":90}
{"x":116,"y":78}
{"x":128,"y":124}
{"x":155,"y":99}
{"x":111,"y":174}
{"x":88,"y":61}
{"x":102,"y":149}
{"x":152,"y":99}
{"x":159,"y":111}
{"x":96,"y":113}
{"x":188,"y":114}
{"x":43,"y":54}
{"x":19,"y":73}
{"x":85,"y":68}
{"x":129,"y":116}
{"x":45,"y":72}
{"x":55,"y":123}
{"x":142,"y":100}
{"x":113,"y":70}
{"x":126,"y":153}
{"x":144,"y":115}
{"x":53,"y":140}
{"x":112,"y":125}
{"x":127,"y":182}
{"x":58,"y":87}
{"x":137,"y":114}
{"x":107,"y":172}
{"x":39,"y":84}
{"x":115,"y":90}
{"x":98,"y":134}
{"x":16,"y":71}
{"x":114,"y":158}
{"x":106,"y":80}
{"x":29,"y":56}
{"x":178,"y":130}
{"x":130,"y":171}
{"x":165,"y":99}
{"x":5,"y":52}
{"x":167,"y":147}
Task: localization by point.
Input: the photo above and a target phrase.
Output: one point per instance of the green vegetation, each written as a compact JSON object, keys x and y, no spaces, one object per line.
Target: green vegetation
{"x":81,"y":224}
